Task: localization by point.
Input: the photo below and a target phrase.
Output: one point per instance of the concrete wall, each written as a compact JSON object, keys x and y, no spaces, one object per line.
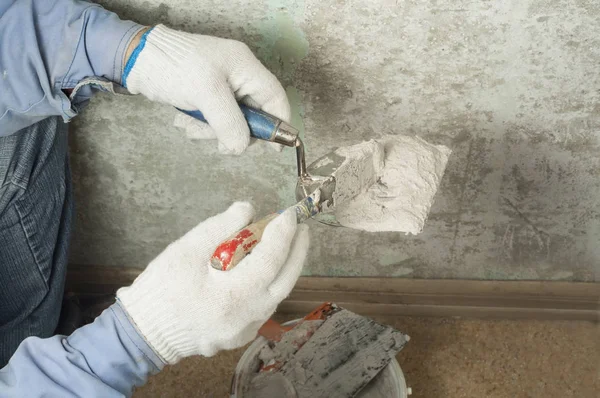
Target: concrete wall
{"x":513,"y":87}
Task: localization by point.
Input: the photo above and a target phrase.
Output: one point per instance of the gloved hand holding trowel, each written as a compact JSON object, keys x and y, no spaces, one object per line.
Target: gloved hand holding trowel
{"x":197,"y":72}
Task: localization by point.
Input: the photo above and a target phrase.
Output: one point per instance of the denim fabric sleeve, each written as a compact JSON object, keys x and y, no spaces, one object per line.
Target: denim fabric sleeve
{"x":107,"y":358}
{"x":50,"y":45}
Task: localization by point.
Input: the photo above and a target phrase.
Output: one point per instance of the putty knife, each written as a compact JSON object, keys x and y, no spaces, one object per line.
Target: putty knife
{"x":313,"y":192}
{"x":319,"y":191}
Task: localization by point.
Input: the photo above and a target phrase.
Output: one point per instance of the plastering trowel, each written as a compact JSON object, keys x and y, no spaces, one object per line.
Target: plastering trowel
{"x":315,"y":192}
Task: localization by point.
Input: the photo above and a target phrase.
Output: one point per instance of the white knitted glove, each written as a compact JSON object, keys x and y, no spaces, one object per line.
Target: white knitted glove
{"x":193,"y":71}
{"x":182,"y":306}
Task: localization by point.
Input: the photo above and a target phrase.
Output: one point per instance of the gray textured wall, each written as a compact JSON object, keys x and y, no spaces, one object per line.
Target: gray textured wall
{"x":512,"y":87}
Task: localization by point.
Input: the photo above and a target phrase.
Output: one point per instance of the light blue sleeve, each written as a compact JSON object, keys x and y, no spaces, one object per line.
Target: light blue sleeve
{"x":47,"y":46}
{"x":107,"y":358}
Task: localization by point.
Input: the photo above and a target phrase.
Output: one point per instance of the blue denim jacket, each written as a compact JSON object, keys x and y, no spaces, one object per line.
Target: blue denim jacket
{"x":47,"y":46}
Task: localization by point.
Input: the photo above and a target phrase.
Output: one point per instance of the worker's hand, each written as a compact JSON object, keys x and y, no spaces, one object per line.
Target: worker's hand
{"x":207,"y":73}
{"x":182,"y":306}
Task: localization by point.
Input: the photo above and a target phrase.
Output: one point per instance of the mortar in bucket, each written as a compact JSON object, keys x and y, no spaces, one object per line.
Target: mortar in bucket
{"x":389,"y":383}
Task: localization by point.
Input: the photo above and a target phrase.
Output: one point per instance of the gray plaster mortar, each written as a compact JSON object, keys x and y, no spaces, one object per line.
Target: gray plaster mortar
{"x":402,"y":195}
{"x":343,"y":356}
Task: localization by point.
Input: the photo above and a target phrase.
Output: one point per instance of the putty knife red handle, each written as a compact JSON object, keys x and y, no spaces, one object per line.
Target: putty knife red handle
{"x":233,"y":250}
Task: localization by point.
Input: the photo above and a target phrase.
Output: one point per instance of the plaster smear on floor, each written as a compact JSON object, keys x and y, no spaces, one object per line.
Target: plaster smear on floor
{"x":401,"y":198}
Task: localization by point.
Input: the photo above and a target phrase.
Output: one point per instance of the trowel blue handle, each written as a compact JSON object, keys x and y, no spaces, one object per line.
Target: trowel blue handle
{"x":262,"y":125}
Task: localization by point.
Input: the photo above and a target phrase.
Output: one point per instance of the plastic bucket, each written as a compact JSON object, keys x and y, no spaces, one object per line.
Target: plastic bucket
{"x":389,"y":383}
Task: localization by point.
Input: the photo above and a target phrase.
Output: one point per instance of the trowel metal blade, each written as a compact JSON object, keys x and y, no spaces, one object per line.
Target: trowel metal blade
{"x":326,"y":185}
{"x":320,"y":177}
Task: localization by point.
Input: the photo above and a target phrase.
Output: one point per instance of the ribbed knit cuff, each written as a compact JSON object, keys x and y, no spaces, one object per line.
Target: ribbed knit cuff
{"x":156,"y":320}
{"x":159,"y":49}
{"x":133,"y":57}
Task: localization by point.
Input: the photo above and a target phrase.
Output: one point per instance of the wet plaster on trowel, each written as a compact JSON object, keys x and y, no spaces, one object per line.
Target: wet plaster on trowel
{"x":406,"y":173}
{"x":355,"y":168}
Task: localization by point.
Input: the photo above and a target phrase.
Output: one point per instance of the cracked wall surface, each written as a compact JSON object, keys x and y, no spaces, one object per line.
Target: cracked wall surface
{"x":512,"y":87}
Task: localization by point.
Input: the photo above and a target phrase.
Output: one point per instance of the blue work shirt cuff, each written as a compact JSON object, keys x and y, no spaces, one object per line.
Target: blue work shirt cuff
{"x":136,"y":337}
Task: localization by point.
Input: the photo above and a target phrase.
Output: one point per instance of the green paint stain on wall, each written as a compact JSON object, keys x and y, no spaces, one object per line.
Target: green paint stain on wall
{"x":297,"y":109}
{"x":283,"y":43}
{"x":290,"y":47}
{"x":281,"y":48}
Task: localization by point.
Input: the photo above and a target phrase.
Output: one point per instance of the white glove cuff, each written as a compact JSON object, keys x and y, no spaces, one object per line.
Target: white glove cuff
{"x":145,"y":304}
{"x":159,"y":49}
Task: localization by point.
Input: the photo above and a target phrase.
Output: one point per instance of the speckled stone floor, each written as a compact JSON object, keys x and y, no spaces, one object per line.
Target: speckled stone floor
{"x":447,"y":358}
